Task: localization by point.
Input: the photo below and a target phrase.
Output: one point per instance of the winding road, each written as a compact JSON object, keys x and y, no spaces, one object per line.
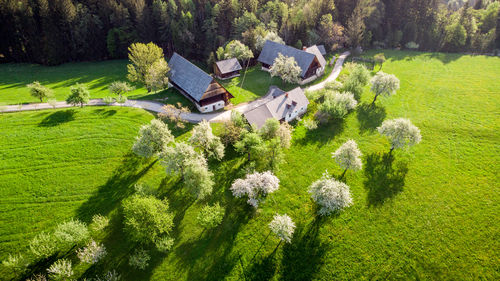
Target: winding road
{"x":190,"y":117}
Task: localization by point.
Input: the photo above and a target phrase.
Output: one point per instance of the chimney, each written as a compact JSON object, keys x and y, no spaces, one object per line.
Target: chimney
{"x":304,"y":48}
{"x":286,"y":95}
{"x":294,"y":103}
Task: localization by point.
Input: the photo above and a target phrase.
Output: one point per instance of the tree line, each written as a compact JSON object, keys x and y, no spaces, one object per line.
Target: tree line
{"x":53,"y":32}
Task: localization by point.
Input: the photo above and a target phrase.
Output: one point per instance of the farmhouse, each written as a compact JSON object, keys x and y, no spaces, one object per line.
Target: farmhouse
{"x":311,"y":62}
{"x":284,"y":106}
{"x":226,"y":69}
{"x":196,"y":85}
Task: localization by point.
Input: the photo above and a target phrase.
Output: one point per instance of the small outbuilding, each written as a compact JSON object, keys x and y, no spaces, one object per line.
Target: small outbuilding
{"x":284,"y":106}
{"x":226,"y":69}
{"x":196,"y":85}
{"x":311,"y":63}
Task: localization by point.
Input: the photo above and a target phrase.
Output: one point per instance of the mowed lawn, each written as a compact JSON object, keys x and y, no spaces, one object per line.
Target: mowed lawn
{"x":95,"y":75}
{"x":427,"y":213}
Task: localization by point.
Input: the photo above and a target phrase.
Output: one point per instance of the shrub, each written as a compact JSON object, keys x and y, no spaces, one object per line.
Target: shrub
{"x":99,"y":222}
{"x":164,"y":244}
{"x":146,"y":218}
{"x":37,"y":277}
{"x":52,"y":102}
{"x":43,"y":245}
{"x":16,"y":263}
{"x":60,"y":270}
{"x":145,"y":189}
{"x":109,"y":276}
{"x":333,"y":85}
{"x":121,"y":99}
{"x":71,"y":232}
{"x":283,"y":227}
{"x":310,"y":124}
{"x":211,"y":216}
{"x":140,"y":259}
{"x":108,"y":100}
{"x":256,"y":186}
{"x":337,"y":105}
{"x":412,"y":45}
{"x":92,"y":253}
{"x":331,"y":195}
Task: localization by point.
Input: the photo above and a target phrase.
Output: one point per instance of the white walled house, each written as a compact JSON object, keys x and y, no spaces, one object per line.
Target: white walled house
{"x":284,"y":106}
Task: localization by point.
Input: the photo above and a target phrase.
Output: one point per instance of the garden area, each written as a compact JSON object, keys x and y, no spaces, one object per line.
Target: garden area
{"x":426,"y":212}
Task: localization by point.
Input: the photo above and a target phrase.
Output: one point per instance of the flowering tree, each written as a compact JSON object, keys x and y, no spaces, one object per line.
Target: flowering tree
{"x":286,"y":68}
{"x":120,"y":87}
{"x":401,"y":132}
{"x":337,"y":104}
{"x":152,"y":139}
{"x":16,"y":263}
{"x":43,"y":245}
{"x":99,"y":222}
{"x":72,"y":232}
{"x":60,"y":270}
{"x":234,"y":49}
{"x":283,"y":227}
{"x":348,"y":156}
{"x":192,"y":166}
{"x":331,"y":195}
{"x":173,"y":113}
{"x":256,"y":186}
{"x":92,"y":253}
{"x":384,"y":84}
{"x":39,"y":91}
{"x":204,"y":138}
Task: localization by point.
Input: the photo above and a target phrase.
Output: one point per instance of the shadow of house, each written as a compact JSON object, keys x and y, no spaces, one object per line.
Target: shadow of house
{"x":370,"y":117}
{"x":117,"y":187}
{"x":384,"y":178}
{"x":304,"y":256}
{"x":58,"y":118}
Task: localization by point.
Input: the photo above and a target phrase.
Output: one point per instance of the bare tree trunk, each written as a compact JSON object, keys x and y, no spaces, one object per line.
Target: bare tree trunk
{"x":373,"y":102}
{"x":342,"y":176}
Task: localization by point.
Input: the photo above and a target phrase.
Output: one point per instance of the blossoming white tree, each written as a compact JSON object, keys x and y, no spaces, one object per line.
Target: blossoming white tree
{"x":152,"y":139}
{"x":192,"y":166}
{"x":204,"y":138}
{"x":92,"y":253}
{"x":338,"y":104}
{"x":331,"y":195}
{"x":401,"y":132}
{"x":256,"y":186}
{"x":283,"y":227}
{"x":60,"y":270}
{"x":286,"y":68}
{"x":348,"y":156}
{"x":384,"y":84}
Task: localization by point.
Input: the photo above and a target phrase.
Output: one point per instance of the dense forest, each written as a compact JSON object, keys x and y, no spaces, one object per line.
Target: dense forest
{"x":56,"y":31}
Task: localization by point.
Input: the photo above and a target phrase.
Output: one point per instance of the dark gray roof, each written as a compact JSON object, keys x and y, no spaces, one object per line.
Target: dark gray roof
{"x":278,"y":107}
{"x":315,"y":51}
{"x":322,"y":49}
{"x":228,"y":66}
{"x":271,"y":50}
{"x":188,"y":77}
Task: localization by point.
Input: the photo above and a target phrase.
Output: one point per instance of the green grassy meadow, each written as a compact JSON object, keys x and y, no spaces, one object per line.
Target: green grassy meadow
{"x":427,"y":213}
{"x":95,"y":75}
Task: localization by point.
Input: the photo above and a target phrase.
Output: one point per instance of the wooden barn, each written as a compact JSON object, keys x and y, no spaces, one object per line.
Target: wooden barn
{"x":226,"y":69}
{"x":196,"y":85}
{"x":311,"y":62}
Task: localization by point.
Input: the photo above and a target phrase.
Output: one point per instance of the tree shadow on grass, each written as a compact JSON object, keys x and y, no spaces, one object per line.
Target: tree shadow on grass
{"x":58,"y":118}
{"x":324,"y":133}
{"x":117,"y":187}
{"x":105,"y":112}
{"x":265,"y":269}
{"x":304,"y":256}
{"x":384,"y":178}
{"x":370,"y":117}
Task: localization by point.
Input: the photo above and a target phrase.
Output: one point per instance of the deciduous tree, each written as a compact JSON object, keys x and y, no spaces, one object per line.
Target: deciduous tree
{"x":400,"y":132}
{"x":331,"y":195}
{"x":120,"y":87}
{"x":152,"y":139}
{"x":39,"y":91}
{"x":256,"y":186}
{"x":283,"y":227}
{"x":348,"y":156}
{"x":147,"y":63}
{"x":79,"y":95}
{"x":204,"y":139}
{"x":384,"y":84}
{"x":286,"y":68}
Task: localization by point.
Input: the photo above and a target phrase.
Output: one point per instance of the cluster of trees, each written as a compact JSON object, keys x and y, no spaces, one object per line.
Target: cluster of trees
{"x":60,"y":243}
{"x":52,"y":32}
